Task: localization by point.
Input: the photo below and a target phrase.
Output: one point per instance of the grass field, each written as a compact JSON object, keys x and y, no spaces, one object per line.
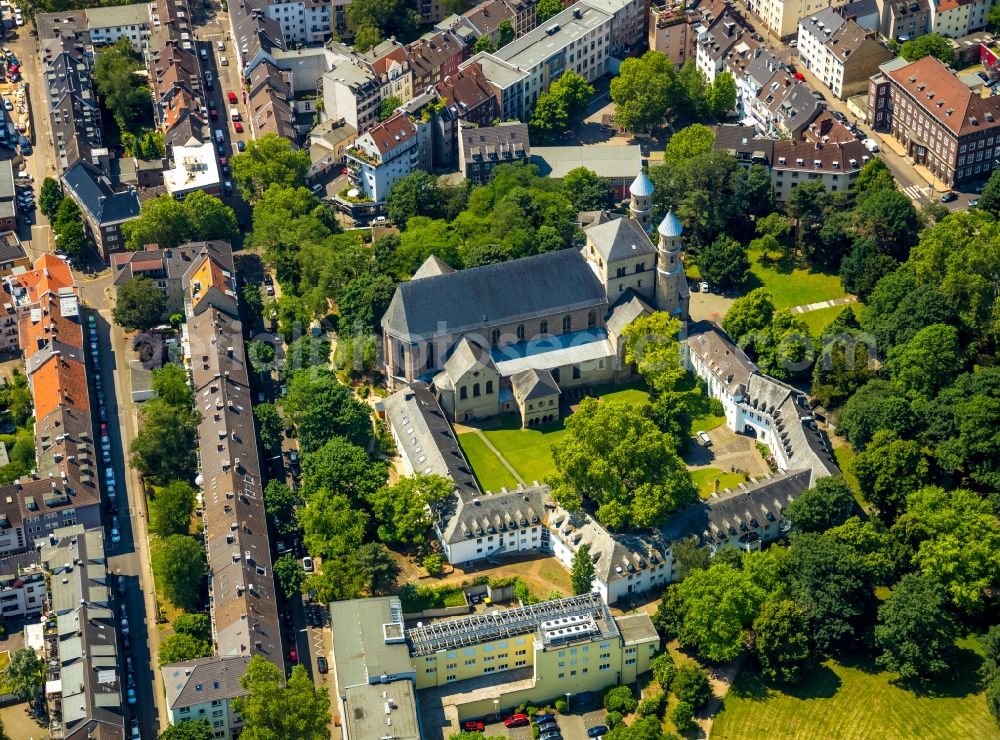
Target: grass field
{"x":819,"y":319}
{"x":529,"y":451}
{"x":557,"y":576}
{"x":706,"y":423}
{"x":792,"y":287}
{"x":704,"y":480}
{"x":852,"y":700}
{"x":490,"y":472}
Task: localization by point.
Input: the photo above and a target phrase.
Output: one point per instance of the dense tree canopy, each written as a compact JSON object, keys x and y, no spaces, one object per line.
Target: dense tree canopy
{"x":915,"y":630}
{"x":614,"y":458}
{"x":271,"y":160}
{"x":320,"y":408}
{"x":169,"y":222}
{"x":139,"y":304}
{"x":179,"y":566}
{"x":170,"y":509}
{"x":280,"y":709}
{"x":826,"y":505}
{"x":928,"y":44}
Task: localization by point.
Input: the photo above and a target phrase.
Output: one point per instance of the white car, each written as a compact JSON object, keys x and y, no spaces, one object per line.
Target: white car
{"x":7,"y":104}
{"x":19,"y":19}
{"x":223,"y":62}
{"x":705,"y":440}
{"x":871,"y":145}
{"x":220,"y":46}
{"x":307,"y":564}
{"x":116,"y":537}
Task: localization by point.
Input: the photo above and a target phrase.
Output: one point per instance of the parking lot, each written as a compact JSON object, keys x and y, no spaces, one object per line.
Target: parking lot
{"x":586,"y":714}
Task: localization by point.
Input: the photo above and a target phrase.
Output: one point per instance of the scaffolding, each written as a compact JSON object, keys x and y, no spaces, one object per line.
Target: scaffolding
{"x":500,"y":623}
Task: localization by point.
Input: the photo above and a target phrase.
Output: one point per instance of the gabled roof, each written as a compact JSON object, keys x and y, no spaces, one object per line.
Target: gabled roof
{"x":622,"y":238}
{"x":466,"y":357}
{"x":493,"y":294}
{"x":432,"y":266}
{"x":203,"y":680}
{"x":94,"y":193}
{"x":531,"y":384}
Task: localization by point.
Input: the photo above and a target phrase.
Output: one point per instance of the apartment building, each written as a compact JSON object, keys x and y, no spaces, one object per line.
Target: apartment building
{"x":435,"y":57}
{"x":628,"y":24}
{"x":63,"y":490}
{"x":23,"y":592}
{"x":942,"y":123}
{"x":726,"y":34}
{"x":482,"y":149}
{"x":74,"y":115}
{"x":475,"y":666}
{"x":673,"y":31}
{"x":781,"y":17}
{"x":383,"y":155}
{"x":352,"y":92}
{"x":302,"y":21}
{"x":903,"y":20}
{"x":206,"y":689}
{"x":83,"y":684}
{"x":243,"y":600}
{"x":842,"y":54}
{"x":104,"y":208}
{"x":100,"y":26}
{"x":476,"y":97}
{"x":390,"y":64}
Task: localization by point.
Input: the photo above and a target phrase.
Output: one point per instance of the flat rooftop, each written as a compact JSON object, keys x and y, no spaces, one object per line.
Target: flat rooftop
{"x":382,"y":710}
{"x":612,"y":162}
{"x":555,"y":34}
{"x":360,"y":648}
{"x":195,"y":168}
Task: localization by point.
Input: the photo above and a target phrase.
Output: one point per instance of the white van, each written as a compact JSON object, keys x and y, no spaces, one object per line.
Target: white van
{"x":219,"y":138}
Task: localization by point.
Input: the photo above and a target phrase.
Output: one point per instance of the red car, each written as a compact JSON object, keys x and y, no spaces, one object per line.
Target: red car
{"x":213,"y":113}
{"x":473,"y":726}
{"x":232,"y":97}
{"x":238,"y":127}
{"x":517,"y":720}
{"x":293,"y":655}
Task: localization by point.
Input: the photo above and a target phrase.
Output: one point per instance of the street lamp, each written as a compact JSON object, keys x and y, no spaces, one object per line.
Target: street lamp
{"x":568,"y":695}
{"x":496,"y":708}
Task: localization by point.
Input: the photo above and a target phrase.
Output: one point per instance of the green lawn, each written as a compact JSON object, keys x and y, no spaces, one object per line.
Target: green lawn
{"x":529,"y":451}
{"x":490,"y":472}
{"x":704,"y":480}
{"x":706,"y":423}
{"x":793,"y":287}
{"x":852,"y":700}
{"x":821,"y":318}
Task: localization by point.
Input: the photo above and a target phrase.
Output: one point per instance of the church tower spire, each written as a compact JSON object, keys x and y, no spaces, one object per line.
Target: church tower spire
{"x":641,"y":200}
{"x":672,"y":294}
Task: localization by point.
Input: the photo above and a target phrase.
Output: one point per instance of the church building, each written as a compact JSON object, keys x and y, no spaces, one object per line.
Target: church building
{"x":511,"y":337}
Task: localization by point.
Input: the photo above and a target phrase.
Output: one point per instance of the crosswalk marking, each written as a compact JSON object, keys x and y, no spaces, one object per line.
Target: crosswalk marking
{"x":915,"y":192}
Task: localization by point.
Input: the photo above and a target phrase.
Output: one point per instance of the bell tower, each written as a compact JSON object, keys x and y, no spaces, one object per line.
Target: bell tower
{"x":641,"y":201}
{"x":672,"y":294}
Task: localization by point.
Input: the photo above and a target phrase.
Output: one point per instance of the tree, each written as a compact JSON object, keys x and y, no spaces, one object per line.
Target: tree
{"x":208,"y":218}
{"x":363,"y":301}
{"x":331,"y":527}
{"x":720,"y":96}
{"x":505,"y":34}
{"x":688,"y":555}
{"x":403,"y":510}
{"x":827,"y":504}
{"x":583,"y":573}
{"x":307,"y":351}
{"x":587,"y":191}
{"x":929,"y":44}
{"x":198,"y":626}
{"x":687,"y":143}
{"x":749,"y":314}
{"x":121,"y":89}
{"x":651,"y":344}
{"x":276,"y":709}
{"x":377,"y":567}
{"x":164,"y":446}
{"x":269,"y":424}
{"x":171,"y":386}
{"x":433,"y":564}
{"x":170,"y":509}
{"x":620,"y":699}
{"x":179,"y":566}
{"x":874,"y":177}
{"x":691,"y":685}
{"x":845,"y":361}
{"x":546,"y":9}
{"x":915,"y":631}
{"x":780,"y":640}
{"x":876,"y":405}
{"x":320,"y":407}
{"x":49,"y":197}
{"x":270,"y":160}
{"x":928,"y":361}
{"x":388,"y":107}
{"x":959,"y":543}
{"x":391,"y":17}
{"x":724,"y":263}
{"x":279,"y":503}
{"x":366,"y":37}
{"x":888,"y":470}
{"x":200,"y":729}
{"x":682,"y":715}
{"x":989,"y":200}
{"x":139,"y":305}
{"x":664,"y":670}
{"x":556,"y":108}
{"x":993,"y":687}
{"x":644,"y":91}
{"x":177,"y":647}
{"x":614,"y":456}
{"x":24,"y":676}
{"x":346,"y":468}
{"x":483,"y":44}
{"x":70,"y":235}
{"x":289,"y":575}
{"x":889,"y":220}
{"x":823,"y":578}
{"x":169,"y":222}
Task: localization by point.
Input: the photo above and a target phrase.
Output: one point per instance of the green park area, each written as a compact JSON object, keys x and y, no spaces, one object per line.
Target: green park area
{"x":821,"y":318}
{"x":851,"y":699}
{"x":704,"y":480}
{"x":792,"y":287}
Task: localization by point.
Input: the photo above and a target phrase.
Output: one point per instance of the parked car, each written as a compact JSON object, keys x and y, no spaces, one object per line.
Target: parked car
{"x":473,"y":725}
{"x":293,"y":655}
{"x":598,"y":731}
{"x":307,"y":564}
{"x":541,"y":718}
{"x":974,"y":202}
{"x":232,"y":97}
{"x":950,"y":196}
{"x":705,"y":440}
{"x":134,"y":725}
{"x":322,"y":665}
{"x":238,"y":127}
{"x":223,"y":62}
{"x":517,"y":720}
{"x":131,"y":696}
{"x":126,"y":643}
{"x":220,"y":46}
{"x":121,"y":585}
{"x":241,"y":146}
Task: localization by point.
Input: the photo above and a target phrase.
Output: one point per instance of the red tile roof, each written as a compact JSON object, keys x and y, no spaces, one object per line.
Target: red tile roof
{"x":946,"y":98}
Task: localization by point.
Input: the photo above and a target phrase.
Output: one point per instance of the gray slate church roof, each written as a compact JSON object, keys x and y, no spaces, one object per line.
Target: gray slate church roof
{"x":490,"y":295}
{"x":531,"y":384}
{"x":620,"y":239}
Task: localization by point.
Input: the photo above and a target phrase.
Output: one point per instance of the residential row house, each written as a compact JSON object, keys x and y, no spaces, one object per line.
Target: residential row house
{"x":781,"y":17}
{"x":42,"y":306}
{"x":206,"y":689}
{"x":941,"y":122}
{"x":903,"y":20}
{"x":841,"y":53}
{"x":243,"y":599}
{"x":958,"y":18}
